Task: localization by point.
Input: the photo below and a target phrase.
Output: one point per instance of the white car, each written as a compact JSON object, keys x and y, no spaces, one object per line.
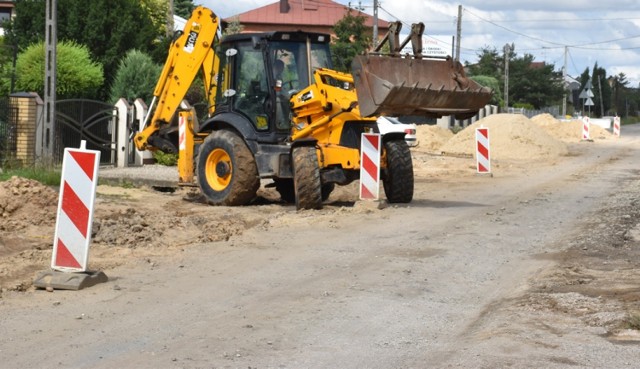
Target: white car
{"x":390,"y":124}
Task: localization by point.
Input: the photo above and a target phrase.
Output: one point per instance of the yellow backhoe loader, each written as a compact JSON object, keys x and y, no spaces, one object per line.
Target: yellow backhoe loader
{"x":276,"y":110}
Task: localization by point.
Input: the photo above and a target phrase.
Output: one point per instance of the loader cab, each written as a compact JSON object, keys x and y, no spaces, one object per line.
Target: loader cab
{"x":259,"y":73}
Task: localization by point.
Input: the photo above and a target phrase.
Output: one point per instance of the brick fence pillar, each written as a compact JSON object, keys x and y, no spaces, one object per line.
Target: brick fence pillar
{"x":26,"y":125}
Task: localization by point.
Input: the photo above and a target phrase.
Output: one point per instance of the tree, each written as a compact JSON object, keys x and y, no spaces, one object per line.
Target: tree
{"x":601,"y":90}
{"x":489,"y":63}
{"x":619,"y":91}
{"x":535,"y":84}
{"x":351,"y":39}
{"x":108,"y":28}
{"x":493,"y":84}
{"x":532,"y":84}
{"x":183,"y":8}
{"x":136,"y":77}
{"x":601,"y":101}
{"x":158,"y":10}
{"x":233,"y":27}
{"x":7,"y":73}
{"x":78,"y":75}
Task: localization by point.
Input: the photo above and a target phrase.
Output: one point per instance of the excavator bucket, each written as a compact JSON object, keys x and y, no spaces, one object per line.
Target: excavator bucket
{"x":401,"y":86}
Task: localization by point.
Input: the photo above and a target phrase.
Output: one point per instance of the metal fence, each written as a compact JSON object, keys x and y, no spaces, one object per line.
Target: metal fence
{"x":8,"y":130}
{"x":88,"y":120}
{"x":553,"y":110}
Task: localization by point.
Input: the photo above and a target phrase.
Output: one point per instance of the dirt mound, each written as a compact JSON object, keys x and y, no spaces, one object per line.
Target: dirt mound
{"x":569,"y":131}
{"x":27,"y":218}
{"x":512,"y":136}
{"x":25,"y":202}
{"x":431,"y":138}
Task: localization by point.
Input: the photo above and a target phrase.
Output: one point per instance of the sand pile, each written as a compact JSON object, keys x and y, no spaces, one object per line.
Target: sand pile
{"x":431,"y":138}
{"x":545,"y":119}
{"x":569,"y":131}
{"x":512,"y":136}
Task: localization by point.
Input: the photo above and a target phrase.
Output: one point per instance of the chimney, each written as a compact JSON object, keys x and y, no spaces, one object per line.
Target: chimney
{"x":284,"y":6}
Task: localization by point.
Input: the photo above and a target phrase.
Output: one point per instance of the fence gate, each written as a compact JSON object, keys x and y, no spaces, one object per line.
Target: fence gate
{"x":89,"y":120}
{"x":8,"y":130}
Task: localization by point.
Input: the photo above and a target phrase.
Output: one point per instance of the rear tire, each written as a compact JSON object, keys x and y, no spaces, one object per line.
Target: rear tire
{"x":226,"y":170}
{"x":306,"y":178}
{"x":398,"y":180}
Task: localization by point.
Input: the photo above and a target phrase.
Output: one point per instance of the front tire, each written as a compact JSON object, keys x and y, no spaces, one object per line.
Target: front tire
{"x":306,"y":178}
{"x":226,"y":170}
{"x":398,"y":180}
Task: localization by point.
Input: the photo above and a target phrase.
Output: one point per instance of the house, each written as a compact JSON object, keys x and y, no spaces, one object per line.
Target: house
{"x":306,"y":15}
{"x":6,"y":12}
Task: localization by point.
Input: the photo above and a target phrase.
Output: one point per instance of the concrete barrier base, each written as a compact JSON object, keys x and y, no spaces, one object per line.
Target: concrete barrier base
{"x":53,"y":279}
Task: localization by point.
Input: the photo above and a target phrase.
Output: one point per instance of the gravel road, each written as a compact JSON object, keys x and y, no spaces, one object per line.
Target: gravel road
{"x":535,"y":267}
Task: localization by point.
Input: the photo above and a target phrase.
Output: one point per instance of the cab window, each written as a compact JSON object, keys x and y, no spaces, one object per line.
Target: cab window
{"x":251,"y":85}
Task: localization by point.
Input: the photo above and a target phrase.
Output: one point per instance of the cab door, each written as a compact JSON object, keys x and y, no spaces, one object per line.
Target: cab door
{"x":251,"y":86}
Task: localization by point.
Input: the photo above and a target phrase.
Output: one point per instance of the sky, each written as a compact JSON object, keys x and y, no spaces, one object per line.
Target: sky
{"x":579,"y":33}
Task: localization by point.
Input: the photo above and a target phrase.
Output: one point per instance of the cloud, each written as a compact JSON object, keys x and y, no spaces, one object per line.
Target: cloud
{"x":541,"y":28}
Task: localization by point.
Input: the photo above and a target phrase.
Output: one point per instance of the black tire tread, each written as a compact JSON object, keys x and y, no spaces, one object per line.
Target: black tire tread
{"x":245,"y":181}
{"x":306,"y":178}
{"x":398,"y":181}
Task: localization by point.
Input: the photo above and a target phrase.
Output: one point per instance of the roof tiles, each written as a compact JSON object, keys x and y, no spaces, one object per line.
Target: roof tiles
{"x":302,"y":13}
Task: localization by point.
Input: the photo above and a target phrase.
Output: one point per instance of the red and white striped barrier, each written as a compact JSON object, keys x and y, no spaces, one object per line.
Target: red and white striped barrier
{"x":616,"y":126}
{"x":483,"y":156}
{"x":370,"y":166}
{"x":586,"y":123}
{"x":182,"y":132}
{"x":75,"y":209}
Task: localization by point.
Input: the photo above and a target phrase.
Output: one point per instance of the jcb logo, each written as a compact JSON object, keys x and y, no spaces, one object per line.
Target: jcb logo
{"x":191,"y":42}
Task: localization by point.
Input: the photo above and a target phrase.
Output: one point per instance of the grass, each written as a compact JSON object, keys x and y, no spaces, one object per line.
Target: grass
{"x":47,"y":176}
{"x":633,"y":321}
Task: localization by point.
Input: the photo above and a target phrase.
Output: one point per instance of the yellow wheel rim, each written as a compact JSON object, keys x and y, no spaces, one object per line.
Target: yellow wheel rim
{"x":218,"y":169}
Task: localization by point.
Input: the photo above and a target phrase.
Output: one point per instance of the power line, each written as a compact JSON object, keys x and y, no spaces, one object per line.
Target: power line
{"x":512,"y":31}
{"x":559,"y":45}
{"x":408,"y":25}
{"x":565,"y":20}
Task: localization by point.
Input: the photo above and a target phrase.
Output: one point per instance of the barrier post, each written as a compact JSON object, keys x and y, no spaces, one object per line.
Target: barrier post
{"x":586,"y":123}
{"x":370,"y":166}
{"x":483,"y":154}
{"x":73,"y":225}
{"x":616,"y":126}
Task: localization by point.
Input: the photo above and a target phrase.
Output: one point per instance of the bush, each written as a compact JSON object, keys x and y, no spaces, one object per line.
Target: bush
{"x":136,"y":77}
{"x":77,"y":75}
{"x":165,"y":159}
{"x":492,"y":83}
{"x":526,"y":106}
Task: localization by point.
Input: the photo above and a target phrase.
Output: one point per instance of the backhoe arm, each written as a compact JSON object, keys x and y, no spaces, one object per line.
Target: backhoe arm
{"x":191,"y":52}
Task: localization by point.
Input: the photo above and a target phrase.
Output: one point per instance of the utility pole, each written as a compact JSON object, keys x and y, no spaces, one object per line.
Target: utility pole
{"x":458,"y":33}
{"x":507,"y":53}
{"x":375,"y":23}
{"x":601,"y":99}
{"x":564,"y":84}
{"x":50,"y":62}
